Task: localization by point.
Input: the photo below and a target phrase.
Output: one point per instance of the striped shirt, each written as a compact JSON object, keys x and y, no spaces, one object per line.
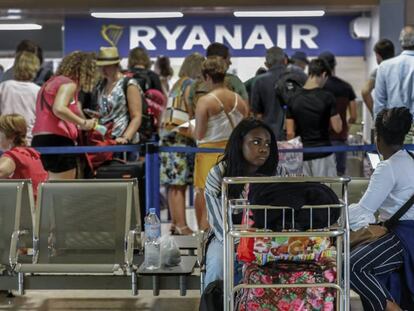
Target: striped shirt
{"x":213,"y":197}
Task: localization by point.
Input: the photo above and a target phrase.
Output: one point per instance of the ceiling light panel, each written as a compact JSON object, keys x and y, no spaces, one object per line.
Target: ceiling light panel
{"x":307,"y":13}
{"x":137,"y":14}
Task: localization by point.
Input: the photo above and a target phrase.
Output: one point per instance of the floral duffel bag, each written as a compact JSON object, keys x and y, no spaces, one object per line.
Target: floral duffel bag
{"x":287,"y":299}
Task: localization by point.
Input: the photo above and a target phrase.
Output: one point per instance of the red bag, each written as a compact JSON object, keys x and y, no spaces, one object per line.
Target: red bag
{"x":95,"y":138}
{"x":157,"y":103}
{"x":245,"y":249}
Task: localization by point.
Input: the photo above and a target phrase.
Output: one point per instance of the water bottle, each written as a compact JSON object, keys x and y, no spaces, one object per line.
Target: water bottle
{"x":152,"y":240}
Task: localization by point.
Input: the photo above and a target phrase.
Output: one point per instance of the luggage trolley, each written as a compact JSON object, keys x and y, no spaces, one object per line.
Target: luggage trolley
{"x":340,"y":232}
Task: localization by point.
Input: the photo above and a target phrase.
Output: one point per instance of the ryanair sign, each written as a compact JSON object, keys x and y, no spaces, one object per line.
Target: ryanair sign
{"x":246,"y":37}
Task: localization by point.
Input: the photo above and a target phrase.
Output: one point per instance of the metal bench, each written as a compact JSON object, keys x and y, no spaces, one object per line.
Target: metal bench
{"x":17,"y":207}
{"x":82,"y":227}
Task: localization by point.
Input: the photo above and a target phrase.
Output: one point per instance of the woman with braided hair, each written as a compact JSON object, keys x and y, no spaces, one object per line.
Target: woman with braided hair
{"x":58,"y":115}
{"x":382,"y":271}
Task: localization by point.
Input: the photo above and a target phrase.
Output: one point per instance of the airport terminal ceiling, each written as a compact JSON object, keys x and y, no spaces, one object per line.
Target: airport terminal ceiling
{"x":82,"y":4}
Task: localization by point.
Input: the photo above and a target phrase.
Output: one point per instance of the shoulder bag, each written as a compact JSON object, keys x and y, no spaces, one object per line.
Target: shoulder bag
{"x":374,"y":232}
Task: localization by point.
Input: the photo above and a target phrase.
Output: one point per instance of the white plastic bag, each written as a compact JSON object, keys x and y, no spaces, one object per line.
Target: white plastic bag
{"x":170,"y":253}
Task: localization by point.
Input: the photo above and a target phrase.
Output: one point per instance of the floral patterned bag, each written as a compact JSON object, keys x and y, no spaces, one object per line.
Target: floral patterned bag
{"x":284,"y":299}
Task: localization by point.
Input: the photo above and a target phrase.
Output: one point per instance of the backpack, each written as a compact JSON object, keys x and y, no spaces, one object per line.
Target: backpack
{"x":212,"y":297}
{"x":288,"y":85}
{"x":176,"y":112}
{"x":294,"y":195}
{"x":142,"y":77}
{"x":153,"y":104}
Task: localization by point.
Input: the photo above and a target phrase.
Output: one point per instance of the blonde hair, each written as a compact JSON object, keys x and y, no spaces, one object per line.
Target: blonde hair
{"x":139,"y":56}
{"x":26,"y":66}
{"x":80,"y":67}
{"x":215,"y":67}
{"x":191,"y":66}
{"x":14,"y":127}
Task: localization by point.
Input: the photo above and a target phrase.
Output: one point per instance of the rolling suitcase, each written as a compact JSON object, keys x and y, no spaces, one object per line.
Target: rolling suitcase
{"x":121,"y":169}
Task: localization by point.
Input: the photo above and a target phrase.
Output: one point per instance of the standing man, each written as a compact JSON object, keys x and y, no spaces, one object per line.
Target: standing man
{"x":384,"y":49}
{"x":310,"y":114}
{"x":264,"y":102}
{"x":394,"y":85}
{"x":298,"y":63}
{"x":345,"y":102}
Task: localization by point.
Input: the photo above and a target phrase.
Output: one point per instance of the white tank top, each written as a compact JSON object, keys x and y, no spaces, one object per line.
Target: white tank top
{"x":219,"y":126}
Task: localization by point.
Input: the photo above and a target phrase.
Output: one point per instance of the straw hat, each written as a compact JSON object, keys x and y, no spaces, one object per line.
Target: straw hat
{"x":108,"y":56}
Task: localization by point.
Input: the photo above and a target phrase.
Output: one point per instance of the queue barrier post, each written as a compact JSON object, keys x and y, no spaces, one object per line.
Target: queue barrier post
{"x":152,"y":178}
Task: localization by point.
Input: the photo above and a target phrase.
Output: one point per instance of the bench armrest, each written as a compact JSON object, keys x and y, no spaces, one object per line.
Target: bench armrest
{"x":13,"y":255}
{"x":130,"y":243}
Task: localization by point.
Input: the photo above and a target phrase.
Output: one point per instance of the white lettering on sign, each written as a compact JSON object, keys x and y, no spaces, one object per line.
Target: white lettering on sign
{"x":281,"y":36}
{"x":197,"y":36}
{"x":259,"y":36}
{"x":171,"y":37}
{"x":234,"y":40}
{"x":302,"y":36}
{"x":141,"y":35}
{"x":298,"y":35}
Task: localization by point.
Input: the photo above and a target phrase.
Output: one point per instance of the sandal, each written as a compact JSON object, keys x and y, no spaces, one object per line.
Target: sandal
{"x":183,"y":231}
{"x":172,"y":229}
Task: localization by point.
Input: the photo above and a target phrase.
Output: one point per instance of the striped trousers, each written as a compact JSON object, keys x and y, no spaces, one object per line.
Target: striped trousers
{"x":369,"y":261}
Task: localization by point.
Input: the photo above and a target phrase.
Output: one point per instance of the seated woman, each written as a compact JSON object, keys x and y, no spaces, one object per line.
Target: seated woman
{"x":390,"y":187}
{"x":251,"y":150}
{"x":19,"y":161}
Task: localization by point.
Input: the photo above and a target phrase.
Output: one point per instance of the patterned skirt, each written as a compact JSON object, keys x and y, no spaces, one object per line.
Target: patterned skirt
{"x":176,"y":167}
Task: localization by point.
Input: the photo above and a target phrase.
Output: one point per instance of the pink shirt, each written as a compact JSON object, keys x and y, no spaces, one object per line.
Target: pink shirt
{"x":46,"y":121}
{"x":28,"y":165}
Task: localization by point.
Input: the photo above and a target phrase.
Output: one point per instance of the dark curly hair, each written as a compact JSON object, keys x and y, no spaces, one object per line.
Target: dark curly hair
{"x":233,"y":155}
{"x":393,"y":124}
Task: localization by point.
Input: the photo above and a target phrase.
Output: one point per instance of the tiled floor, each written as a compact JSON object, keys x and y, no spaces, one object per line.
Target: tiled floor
{"x":121,"y":300}
{"x":73,"y":300}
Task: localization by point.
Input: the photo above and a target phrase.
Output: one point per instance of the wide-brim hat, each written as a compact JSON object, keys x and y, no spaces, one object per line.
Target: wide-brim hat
{"x":108,"y":56}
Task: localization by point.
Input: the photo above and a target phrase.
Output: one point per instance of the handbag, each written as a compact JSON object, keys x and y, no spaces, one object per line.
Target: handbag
{"x":367,"y":234}
{"x":176,"y":112}
{"x":374,"y":232}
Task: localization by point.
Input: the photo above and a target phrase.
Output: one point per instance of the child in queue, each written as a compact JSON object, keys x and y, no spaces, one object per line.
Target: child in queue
{"x":18,"y":160}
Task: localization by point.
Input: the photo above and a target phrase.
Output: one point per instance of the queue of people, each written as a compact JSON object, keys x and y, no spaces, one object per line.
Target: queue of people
{"x":319,"y":110}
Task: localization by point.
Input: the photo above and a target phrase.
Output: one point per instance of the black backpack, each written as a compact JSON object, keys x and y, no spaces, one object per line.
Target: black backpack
{"x":212,"y":297}
{"x":294,"y":195}
{"x":147,"y":128}
{"x":142,"y":76}
{"x":289,"y":84}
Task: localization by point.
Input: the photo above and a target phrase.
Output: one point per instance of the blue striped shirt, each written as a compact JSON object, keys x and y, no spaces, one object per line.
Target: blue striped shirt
{"x":394,"y":85}
{"x":213,"y":197}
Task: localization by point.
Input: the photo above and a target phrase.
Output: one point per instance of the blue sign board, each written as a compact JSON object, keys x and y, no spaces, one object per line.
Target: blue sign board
{"x":246,"y":37}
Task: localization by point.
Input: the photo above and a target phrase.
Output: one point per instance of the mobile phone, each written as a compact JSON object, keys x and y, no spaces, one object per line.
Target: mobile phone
{"x":92,"y":113}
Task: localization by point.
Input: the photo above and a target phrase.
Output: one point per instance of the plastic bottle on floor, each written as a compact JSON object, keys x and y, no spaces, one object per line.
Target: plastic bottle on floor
{"x":152,"y":241}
